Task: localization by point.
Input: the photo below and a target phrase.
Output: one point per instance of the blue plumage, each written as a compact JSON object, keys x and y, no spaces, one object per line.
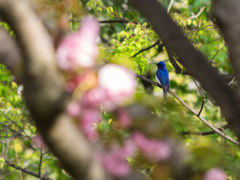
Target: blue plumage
{"x":162,"y":77}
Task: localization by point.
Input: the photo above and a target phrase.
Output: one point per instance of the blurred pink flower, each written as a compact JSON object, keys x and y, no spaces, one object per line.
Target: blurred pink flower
{"x":38,"y":141}
{"x":118,"y":82}
{"x":215,"y":174}
{"x":93,"y":98}
{"x":115,"y":161}
{"x":73,"y":109}
{"x":79,"y":49}
{"x":115,"y":84}
{"x":90,"y":116}
{"x":152,"y":148}
{"x":123,"y":118}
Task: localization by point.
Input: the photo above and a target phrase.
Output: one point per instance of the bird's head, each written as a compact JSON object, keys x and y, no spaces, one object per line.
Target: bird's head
{"x":160,"y":64}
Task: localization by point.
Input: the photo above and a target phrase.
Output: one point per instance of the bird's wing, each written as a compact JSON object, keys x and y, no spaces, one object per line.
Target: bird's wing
{"x":158,"y":80}
{"x":168,"y":83}
{"x":162,"y":76}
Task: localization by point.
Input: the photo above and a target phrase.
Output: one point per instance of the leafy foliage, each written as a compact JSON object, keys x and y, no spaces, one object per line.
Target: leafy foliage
{"x":119,"y":43}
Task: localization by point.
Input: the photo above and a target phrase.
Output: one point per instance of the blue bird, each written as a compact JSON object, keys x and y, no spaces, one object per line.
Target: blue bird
{"x":162,"y":77}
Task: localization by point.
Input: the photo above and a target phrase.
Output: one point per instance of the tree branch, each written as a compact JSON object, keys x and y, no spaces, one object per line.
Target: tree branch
{"x":39,"y":58}
{"x":170,"y":5}
{"x":204,"y":120}
{"x":147,"y":48}
{"x":197,"y":65}
{"x":203,"y":101}
{"x":8,"y":163}
{"x":45,"y":95}
{"x":111,"y":21}
{"x":199,"y":13}
{"x":227,"y":14}
{"x":225,"y":136}
{"x":204,"y":133}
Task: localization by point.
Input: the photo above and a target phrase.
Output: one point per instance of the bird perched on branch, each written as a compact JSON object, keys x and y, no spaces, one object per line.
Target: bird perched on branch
{"x":162,"y":77}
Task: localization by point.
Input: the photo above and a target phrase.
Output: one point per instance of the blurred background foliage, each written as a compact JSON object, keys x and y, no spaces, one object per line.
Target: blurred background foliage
{"x":119,"y":42}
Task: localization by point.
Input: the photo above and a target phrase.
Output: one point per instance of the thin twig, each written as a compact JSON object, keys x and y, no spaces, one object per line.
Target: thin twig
{"x":22,"y":129}
{"x":112,"y":21}
{"x":217,"y":53}
{"x":202,"y":105}
{"x":147,"y":48}
{"x":198,"y":14}
{"x":108,"y":21}
{"x":204,"y":120}
{"x":117,"y":21}
{"x":232,"y":80}
{"x":193,"y":111}
{"x":203,"y":101}
{"x":8,"y":163}
{"x":170,"y":5}
{"x":204,"y":133}
{"x":198,"y":29}
{"x":148,"y":80}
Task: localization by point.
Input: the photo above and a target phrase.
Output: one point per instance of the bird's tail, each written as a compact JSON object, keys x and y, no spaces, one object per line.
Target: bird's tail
{"x":164,"y":92}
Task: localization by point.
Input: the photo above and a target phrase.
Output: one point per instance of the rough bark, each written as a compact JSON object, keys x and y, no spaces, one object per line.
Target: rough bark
{"x":227,"y":15}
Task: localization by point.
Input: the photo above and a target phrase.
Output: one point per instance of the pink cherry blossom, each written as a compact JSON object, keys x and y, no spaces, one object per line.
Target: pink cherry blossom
{"x":96,"y":98}
{"x":73,"y":109}
{"x":115,"y":161}
{"x":118,"y":82}
{"x":123,"y":118}
{"x":152,"y":148}
{"x":79,"y":49}
{"x":93,"y":98}
{"x":108,"y":94}
{"x":89,"y":117}
{"x":215,"y":174}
